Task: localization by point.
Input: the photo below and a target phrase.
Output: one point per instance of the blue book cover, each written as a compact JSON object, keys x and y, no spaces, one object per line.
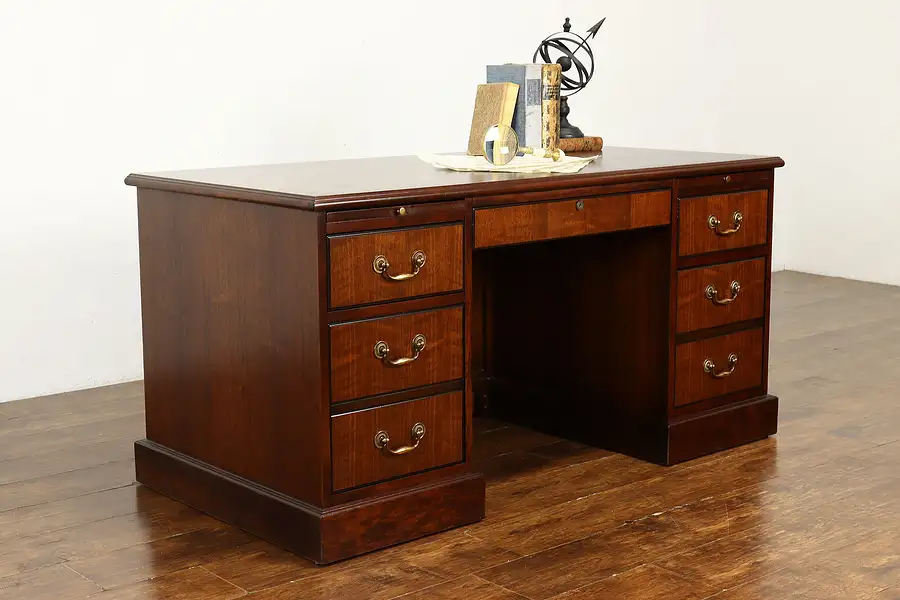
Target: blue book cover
{"x":527,"y":116}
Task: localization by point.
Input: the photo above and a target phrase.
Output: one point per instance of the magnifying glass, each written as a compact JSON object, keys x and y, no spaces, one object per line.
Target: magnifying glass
{"x":501,"y":145}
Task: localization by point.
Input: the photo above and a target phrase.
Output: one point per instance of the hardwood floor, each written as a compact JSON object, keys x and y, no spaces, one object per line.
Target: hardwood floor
{"x":809,"y":513}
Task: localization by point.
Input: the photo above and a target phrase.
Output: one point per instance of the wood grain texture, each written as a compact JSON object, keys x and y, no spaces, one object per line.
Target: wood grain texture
{"x":356,"y":372}
{"x":56,"y":582}
{"x":231,"y":312}
{"x":260,"y":565}
{"x":692,"y":383}
{"x":353,"y":280}
{"x":129,"y":565}
{"x":190,"y":584}
{"x":550,"y":220}
{"x":371,"y":182}
{"x":355,"y":459}
{"x":647,"y":582}
{"x":73,"y":483}
{"x":365,"y":526}
{"x":470,"y":587}
{"x":695,"y":235}
{"x":696,"y":311}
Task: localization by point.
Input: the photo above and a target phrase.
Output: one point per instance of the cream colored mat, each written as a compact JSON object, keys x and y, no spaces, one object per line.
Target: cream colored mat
{"x":520,"y":164}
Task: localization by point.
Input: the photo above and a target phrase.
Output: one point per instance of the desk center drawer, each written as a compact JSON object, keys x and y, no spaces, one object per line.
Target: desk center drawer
{"x":394,"y":353}
{"x":400,"y":263}
{"x":533,"y":222}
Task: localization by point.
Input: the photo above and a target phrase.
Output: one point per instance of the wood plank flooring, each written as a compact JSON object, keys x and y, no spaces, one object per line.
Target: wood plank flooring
{"x":809,"y":513}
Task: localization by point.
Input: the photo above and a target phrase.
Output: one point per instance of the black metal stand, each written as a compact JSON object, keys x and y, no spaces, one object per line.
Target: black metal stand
{"x":566,"y":129}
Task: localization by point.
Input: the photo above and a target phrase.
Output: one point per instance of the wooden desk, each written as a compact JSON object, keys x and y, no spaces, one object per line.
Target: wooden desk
{"x":318,"y":336}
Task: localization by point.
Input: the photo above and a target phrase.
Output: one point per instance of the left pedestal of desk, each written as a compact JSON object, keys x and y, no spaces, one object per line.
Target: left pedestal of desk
{"x":238,"y":360}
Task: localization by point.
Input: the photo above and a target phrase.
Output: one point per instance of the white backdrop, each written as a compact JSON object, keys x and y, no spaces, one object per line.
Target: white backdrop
{"x":95,"y":89}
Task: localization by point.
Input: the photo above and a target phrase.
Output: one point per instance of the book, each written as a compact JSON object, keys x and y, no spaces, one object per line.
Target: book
{"x":495,"y":104}
{"x":527,"y":117}
{"x":550,"y":79}
{"x":582,"y":144}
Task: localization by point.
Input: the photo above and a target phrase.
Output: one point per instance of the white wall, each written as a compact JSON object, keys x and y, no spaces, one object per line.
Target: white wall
{"x":95,"y":89}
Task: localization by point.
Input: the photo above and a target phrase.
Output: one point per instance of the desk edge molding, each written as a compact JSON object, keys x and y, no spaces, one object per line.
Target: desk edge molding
{"x":448,"y":192}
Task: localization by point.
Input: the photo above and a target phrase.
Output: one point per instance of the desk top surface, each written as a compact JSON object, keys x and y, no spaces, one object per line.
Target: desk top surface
{"x":356,"y":183}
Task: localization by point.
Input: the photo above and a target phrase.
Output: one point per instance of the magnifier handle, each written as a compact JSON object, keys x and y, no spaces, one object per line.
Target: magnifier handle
{"x":555,"y":154}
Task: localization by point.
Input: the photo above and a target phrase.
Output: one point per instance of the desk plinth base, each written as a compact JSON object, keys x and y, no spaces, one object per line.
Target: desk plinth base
{"x":705,"y":433}
{"x":323,"y":535}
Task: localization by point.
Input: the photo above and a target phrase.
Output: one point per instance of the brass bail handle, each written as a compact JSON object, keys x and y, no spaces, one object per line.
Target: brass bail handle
{"x":710,"y":367}
{"x":382,"y":439}
{"x":713,"y":294}
{"x":381,"y":265}
{"x":737,"y":219}
{"x":382,"y":352}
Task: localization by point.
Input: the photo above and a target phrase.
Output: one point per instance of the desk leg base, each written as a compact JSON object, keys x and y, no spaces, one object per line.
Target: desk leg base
{"x":730,"y":426}
{"x":323,"y":535}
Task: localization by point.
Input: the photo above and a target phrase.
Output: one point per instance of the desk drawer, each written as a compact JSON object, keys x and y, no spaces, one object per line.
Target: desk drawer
{"x":722,"y":222}
{"x":571,"y":217}
{"x":362,"y":353}
{"x":721,"y":294}
{"x":400,"y":263}
{"x":423,"y":434}
{"x":705,"y":368}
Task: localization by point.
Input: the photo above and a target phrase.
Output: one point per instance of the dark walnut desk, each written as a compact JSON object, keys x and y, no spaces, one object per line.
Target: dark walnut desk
{"x":318,"y":336}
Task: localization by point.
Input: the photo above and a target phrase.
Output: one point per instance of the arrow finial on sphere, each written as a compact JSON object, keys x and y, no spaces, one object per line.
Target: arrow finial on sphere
{"x":593,"y":30}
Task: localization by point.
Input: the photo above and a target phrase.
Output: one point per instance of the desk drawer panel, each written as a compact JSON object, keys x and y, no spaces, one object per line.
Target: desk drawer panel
{"x":721,"y":294}
{"x":401,"y":263}
{"x":566,"y":218}
{"x":395,"y":440}
{"x":394,"y":353}
{"x":726,"y":183}
{"x":722,"y":222}
{"x":716,"y":366}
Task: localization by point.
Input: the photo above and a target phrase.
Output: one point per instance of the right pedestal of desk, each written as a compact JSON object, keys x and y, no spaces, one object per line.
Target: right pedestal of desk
{"x":650,"y":341}
{"x":722,"y":243}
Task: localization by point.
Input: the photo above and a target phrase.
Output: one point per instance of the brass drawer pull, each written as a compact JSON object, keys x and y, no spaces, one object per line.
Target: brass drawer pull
{"x":710,"y":367}
{"x":382,"y":439}
{"x":381,"y":266}
{"x":713,"y":294}
{"x":383,"y":351}
{"x":737,"y":218}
